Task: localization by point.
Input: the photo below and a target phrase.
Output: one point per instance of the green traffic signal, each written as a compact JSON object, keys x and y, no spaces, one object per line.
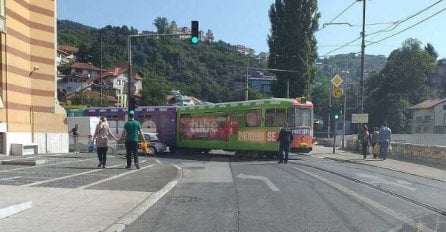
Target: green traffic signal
{"x":336,"y":116}
{"x":194,"y":40}
{"x":194,"y":32}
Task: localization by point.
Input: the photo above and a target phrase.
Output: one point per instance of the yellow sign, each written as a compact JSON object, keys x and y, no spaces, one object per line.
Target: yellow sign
{"x":336,"y":80}
{"x":337,"y":92}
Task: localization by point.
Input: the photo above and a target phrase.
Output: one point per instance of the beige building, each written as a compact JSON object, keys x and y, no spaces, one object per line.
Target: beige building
{"x":29,"y":111}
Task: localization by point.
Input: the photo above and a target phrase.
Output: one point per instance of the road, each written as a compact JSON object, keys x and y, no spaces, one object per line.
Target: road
{"x":222,"y":193}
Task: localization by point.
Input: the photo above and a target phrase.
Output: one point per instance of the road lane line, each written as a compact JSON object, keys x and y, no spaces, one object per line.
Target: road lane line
{"x":158,"y":161}
{"x":114,"y":177}
{"x":368,"y":201}
{"x":135,"y":213}
{"x":266,"y":180}
{"x":74,"y":175}
{"x":45,"y":165}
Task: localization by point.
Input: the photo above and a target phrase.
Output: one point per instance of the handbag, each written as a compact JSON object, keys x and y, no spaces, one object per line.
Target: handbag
{"x":145,"y":147}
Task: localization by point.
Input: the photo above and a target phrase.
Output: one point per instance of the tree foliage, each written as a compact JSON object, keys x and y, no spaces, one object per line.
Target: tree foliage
{"x":403,"y":82}
{"x":292,"y":45}
{"x":211,"y":71}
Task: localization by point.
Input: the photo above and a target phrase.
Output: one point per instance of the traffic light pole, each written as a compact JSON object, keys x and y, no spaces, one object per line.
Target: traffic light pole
{"x":334,"y":135}
{"x":129,"y":48}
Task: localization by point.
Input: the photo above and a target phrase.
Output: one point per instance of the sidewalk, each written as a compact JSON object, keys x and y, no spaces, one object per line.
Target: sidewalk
{"x":389,"y":163}
{"x":78,"y":209}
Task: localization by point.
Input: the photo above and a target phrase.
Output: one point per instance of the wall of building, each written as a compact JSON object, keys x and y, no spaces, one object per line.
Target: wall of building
{"x":29,"y":94}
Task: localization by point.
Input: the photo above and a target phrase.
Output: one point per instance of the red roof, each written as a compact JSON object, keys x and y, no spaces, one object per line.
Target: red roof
{"x":427,"y":104}
{"x":85,"y":66}
{"x":114,"y":72}
{"x":67,"y":48}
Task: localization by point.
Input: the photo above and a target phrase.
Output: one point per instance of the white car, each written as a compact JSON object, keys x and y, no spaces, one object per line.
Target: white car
{"x":155,"y":145}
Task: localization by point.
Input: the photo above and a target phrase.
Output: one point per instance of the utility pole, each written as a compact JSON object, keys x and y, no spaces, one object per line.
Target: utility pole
{"x":362,"y":56}
{"x":247,"y":81}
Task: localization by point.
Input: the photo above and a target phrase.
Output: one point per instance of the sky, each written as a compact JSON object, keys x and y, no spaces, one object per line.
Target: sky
{"x":246,"y":22}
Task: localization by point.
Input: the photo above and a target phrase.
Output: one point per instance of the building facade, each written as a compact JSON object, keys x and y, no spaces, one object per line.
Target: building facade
{"x":30,"y":113}
{"x":428,"y":117}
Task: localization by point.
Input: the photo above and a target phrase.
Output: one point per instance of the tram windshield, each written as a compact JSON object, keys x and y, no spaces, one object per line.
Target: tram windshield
{"x":299,"y":117}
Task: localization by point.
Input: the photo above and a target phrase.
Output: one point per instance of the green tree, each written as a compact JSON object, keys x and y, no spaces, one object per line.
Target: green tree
{"x":402,"y":82}
{"x":292,"y":45}
{"x":162,"y":25}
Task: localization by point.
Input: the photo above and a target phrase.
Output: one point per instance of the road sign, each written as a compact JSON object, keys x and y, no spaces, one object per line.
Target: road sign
{"x":337,"y":92}
{"x":360,"y":118}
{"x":336,"y":80}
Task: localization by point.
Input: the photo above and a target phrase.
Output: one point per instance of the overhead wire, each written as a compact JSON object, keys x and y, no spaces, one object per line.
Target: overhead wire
{"x":392,"y":27}
{"x":407,"y":28}
{"x":339,"y":15}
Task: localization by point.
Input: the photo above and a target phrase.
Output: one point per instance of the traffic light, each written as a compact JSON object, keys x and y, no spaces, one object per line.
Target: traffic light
{"x":194,"y":39}
{"x":336,"y":114}
{"x":132,"y":103}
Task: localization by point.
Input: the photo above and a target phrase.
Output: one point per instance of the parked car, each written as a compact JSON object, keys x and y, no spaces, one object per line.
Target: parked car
{"x":155,"y":145}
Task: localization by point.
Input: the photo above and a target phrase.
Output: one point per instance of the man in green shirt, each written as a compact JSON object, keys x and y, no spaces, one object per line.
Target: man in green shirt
{"x":132,"y":130}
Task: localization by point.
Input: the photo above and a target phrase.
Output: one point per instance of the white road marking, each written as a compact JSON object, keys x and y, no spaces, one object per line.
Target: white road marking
{"x":366,"y":200}
{"x":130,"y":217}
{"x":266,"y":180}
{"x":64,"y":162}
{"x":380,"y":180}
{"x":10,"y":178}
{"x":158,"y":161}
{"x":114,"y":177}
{"x":66,"y":177}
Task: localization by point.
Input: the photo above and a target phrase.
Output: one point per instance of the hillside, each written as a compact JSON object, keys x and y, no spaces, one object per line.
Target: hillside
{"x":211,"y":71}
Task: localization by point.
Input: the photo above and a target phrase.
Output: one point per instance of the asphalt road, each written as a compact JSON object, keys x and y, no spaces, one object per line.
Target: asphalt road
{"x":220,"y":193}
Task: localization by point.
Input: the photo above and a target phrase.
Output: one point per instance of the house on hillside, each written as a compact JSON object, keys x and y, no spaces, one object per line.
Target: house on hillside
{"x":81,"y":76}
{"x":66,"y":54}
{"x":428,"y":117}
{"x":115,"y":82}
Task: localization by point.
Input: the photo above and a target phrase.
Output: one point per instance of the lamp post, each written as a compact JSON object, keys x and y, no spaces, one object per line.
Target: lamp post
{"x":100,"y":72}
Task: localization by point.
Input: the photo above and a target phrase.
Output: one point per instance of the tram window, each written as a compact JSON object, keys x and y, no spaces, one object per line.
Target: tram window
{"x":253,"y":118}
{"x":303,"y":117}
{"x":275,"y":117}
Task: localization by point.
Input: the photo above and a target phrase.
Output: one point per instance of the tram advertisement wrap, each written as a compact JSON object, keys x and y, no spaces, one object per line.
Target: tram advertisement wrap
{"x":204,"y":127}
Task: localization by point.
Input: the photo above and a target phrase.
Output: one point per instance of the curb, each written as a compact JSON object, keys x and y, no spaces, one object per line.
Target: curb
{"x":14,"y":209}
{"x":134,"y":214}
{"x":396,"y":170}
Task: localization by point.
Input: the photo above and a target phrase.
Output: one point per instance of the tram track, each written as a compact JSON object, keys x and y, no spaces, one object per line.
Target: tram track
{"x":356,"y":180}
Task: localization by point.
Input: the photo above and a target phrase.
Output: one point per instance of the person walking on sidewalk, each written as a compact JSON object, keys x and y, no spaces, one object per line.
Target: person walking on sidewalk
{"x":385,"y":137}
{"x":365,"y":141}
{"x":75,"y":132}
{"x":132,"y":130}
{"x":374,"y":142}
{"x":101,"y":135}
{"x":285,"y":138}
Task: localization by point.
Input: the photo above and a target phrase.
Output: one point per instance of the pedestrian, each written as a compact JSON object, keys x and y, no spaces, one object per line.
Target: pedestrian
{"x":75,"y":132}
{"x":102,"y":135}
{"x":285,"y":138}
{"x":365,"y":141}
{"x":385,"y":137}
{"x":131,"y":132}
{"x":374,"y":142}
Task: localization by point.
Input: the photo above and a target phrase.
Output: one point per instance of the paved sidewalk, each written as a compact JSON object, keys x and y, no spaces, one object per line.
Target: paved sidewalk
{"x":389,"y":163}
{"x":56,"y":209}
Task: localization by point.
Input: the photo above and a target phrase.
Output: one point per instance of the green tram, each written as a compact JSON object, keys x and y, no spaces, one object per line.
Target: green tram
{"x":245,"y":127}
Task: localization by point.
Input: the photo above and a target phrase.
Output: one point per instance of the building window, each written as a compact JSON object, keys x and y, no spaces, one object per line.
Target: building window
{"x":419,"y":118}
{"x":426,"y":129}
{"x":444,"y":107}
{"x":427,"y":118}
{"x":417,"y":129}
